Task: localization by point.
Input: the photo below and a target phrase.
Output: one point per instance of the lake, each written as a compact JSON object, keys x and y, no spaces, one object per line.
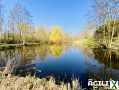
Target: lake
{"x":63,"y":62}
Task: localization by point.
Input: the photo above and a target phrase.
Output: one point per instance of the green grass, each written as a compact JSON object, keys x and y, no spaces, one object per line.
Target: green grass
{"x":12,"y":46}
{"x":3,"y":47}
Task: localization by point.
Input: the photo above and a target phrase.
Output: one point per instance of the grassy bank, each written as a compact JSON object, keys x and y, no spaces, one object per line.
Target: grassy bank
{"x":11,"y":46}
{"x":32,"y":83}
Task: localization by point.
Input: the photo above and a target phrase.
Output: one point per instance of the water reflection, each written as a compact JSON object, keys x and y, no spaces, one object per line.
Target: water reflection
{"x":108,"y":66}
{"x":25,"y":55}
{"x":62,"y":62}
{"x":42,"y":51}
{"x":56,"y":50}
{"x":108,"y":57}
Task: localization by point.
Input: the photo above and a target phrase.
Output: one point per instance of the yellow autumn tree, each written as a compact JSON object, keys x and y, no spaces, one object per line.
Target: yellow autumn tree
{"x":55,"y":35}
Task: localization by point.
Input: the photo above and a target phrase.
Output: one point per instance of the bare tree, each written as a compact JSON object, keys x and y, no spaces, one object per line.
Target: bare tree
{"x":106,"y":12}
{"x":18,"y":16}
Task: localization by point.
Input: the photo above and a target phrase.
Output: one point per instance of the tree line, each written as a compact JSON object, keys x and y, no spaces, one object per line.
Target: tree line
{"x":21,"y":30}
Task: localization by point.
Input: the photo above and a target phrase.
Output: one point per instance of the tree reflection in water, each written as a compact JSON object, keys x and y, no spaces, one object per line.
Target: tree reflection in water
{"x":42,"y":51}
{"x":55,"y":50}
{"x":108,"y":57}
{"x":20,"y":60}
{"x":110,"y":64}
{"x":25,"y":55}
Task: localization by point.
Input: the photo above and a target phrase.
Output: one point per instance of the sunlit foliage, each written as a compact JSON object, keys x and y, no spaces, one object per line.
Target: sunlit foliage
{"x":55,"y":35}
{"x":40,"y":34}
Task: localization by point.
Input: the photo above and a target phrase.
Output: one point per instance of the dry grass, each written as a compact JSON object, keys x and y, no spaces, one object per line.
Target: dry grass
{"x":32,"y":83}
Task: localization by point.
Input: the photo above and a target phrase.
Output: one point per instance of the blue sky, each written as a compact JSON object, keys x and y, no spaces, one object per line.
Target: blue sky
{"x":71,"y":15}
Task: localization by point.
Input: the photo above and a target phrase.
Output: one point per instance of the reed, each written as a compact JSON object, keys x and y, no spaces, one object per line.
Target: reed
{"x":33,"y":83}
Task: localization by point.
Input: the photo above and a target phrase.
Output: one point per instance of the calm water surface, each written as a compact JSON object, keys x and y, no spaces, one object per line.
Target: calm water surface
{"x":64,"y":63}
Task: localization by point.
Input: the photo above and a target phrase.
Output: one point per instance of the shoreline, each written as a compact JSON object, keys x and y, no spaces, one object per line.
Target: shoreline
{"x":9,"y":46}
